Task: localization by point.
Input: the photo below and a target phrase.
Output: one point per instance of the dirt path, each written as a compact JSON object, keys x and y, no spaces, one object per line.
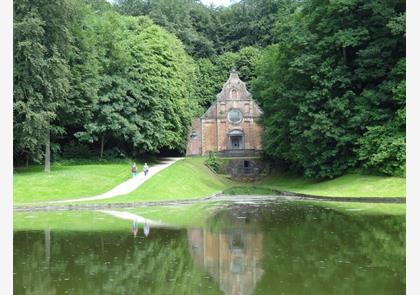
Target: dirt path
{"x":127,"y":186}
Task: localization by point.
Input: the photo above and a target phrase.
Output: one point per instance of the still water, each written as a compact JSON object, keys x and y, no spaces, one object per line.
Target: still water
{"x":266,"y":248}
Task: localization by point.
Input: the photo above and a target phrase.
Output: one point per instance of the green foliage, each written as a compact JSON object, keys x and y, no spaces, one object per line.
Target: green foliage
{"x":82,"y":71}
{"x":383,"y":148}
{"x":144,"y":94}
{"x":212,"y":162}
{"x":207,"y":31}
{"x":335,"y":75}
{"x":248,"y":23}
{"x":76,"y":150}
{"x":211,"y":75}
{"x":332,"y":86}
{"x":41,"y":75}
{"x":192,"y":22}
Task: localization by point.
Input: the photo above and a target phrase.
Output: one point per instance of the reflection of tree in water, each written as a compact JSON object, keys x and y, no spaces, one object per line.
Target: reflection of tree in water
{"x":312,"y":250}
{"x":231,"y":255}
{"x":34,"y":268}
{"x":81,"y":264}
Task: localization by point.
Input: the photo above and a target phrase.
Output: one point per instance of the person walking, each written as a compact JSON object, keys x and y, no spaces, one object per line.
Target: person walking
{"x":134,"y":170}
{"x":145,"y":169}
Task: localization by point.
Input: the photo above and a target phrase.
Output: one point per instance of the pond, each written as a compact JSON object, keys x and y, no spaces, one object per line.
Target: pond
{"x":282,"y":247}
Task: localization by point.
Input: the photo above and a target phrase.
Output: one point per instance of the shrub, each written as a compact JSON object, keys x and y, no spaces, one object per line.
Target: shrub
{"x":212,"y":163}
{"x":383,"y":149}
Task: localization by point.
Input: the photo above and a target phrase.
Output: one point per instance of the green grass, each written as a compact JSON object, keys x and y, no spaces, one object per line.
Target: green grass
{"x":186,"y":179}
{"x":350,"y":185}
{"x":249,"y":190}
{"x":67,"y":181}
{"x":190,"y":178}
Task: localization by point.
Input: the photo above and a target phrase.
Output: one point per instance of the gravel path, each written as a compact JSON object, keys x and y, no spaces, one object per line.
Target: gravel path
{"x":127,"y":186}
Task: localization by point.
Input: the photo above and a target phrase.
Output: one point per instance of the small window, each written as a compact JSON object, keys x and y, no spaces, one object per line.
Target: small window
{"x":234,"y":94}
{"x":193,"y":135}
{"x":237,"y":241}
{"x":246,"y":164}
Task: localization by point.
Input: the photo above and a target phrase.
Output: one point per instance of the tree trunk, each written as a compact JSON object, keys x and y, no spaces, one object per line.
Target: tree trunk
{"x":47,"y":163}
{"x":27,"y":159}
{"x":102,"y":145}
{"x":47,"y":235}
{"x":345,"y":55}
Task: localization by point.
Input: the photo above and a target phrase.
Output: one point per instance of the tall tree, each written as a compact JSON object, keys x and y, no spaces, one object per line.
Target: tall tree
{"x":145,"y":94}
{"x":41,"y":73}
{"x":334,"y":74}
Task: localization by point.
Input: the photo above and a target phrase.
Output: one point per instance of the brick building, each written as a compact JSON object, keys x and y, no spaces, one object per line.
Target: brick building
{"x":230,"y":124}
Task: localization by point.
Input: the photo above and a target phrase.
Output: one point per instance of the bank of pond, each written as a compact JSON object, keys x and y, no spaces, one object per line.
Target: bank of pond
{"x":188,"y":178}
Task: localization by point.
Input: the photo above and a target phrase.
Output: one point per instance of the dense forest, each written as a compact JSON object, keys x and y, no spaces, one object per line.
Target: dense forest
{"x":94,"y":79}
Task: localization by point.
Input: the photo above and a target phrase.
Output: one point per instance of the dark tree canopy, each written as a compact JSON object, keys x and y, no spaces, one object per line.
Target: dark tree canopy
{"x":333,"y":88}
{"x":207,"y":31}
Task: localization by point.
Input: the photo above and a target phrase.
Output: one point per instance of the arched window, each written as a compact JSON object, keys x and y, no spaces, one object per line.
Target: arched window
{"x":193,"y":135}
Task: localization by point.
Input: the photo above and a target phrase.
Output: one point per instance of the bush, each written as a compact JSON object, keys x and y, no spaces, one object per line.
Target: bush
{"x":382,"y":148}
{"x":75,"y":150}
{"x":212,"y":163}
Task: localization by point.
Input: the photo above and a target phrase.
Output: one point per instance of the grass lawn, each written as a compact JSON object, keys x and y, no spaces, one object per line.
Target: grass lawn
{"x":190,"y":178}
{"x":186,"y":179}
{"x":67,"y":181}
{"x":349,"y":185}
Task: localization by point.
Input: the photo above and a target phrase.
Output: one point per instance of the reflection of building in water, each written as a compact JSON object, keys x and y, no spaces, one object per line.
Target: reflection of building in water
{"x":231,"y":257}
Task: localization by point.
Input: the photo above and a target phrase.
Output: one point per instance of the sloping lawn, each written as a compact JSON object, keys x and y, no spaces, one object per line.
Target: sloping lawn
{"x":67,"y":181}
{"x":186,"y":179}
{"x":349,"y":185}
{"x":190,"y":178}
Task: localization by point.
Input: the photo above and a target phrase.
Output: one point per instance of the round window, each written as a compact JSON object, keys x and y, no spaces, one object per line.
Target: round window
{"x":235,"y":116}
